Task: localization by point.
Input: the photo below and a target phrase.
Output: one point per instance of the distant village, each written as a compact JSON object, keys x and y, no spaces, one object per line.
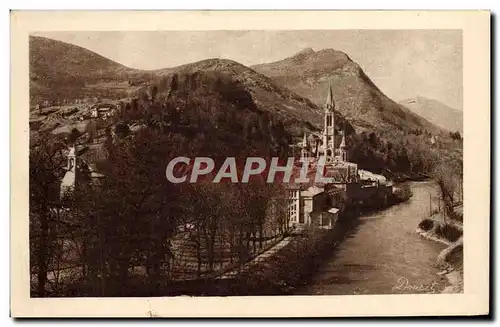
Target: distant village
{"x":80,"y":109}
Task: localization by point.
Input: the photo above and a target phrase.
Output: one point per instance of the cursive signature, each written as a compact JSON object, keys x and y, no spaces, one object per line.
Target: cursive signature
{"x":403,"y":284}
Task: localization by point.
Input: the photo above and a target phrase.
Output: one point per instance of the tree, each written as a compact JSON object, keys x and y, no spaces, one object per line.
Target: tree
{"x":456,"y":135}
{"x":448,"y":176}
{"x":122,"y":130}
{"x":154,"y":93}
{"x":73,"y":136}
{"x":373,"y":140}
{"x":46,"y":160}
{"x":128,"y":220}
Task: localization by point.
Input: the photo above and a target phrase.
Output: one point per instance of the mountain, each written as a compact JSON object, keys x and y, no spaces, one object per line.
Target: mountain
{"x":59,"y":70}
{"x":63,"y":70}
{"x":436,"y":112}
{"x":309,"y":73}
{"x":298,"y":114}
{"x":221,"y":106}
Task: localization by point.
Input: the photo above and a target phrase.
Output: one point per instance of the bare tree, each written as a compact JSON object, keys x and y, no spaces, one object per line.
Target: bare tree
{"x":46,"y":160}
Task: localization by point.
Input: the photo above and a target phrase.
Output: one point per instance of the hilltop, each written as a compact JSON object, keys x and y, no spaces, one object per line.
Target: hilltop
{"x":296,"y":112}
{"x":63,"y":70}
{"x":436,"y":112}
{"x":308,"y":73}
{"x":389,"y":139}
{"x":59,"y":70}
{"x":234,"y":105}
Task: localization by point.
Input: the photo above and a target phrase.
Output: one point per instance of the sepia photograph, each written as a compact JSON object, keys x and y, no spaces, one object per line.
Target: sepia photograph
{"x":250,"y":162}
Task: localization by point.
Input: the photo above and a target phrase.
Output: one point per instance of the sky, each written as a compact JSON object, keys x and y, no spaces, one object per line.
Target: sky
{"x":402,"y":63}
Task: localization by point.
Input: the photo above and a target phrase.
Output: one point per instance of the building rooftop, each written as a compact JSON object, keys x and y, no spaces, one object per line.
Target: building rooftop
{"x":333,"y":210}
{"x":72,"y":152}
{"x":312,"y":191}
{"x":367,"y":175}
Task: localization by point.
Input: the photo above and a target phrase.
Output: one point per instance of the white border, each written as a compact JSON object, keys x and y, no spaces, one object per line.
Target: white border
{"x":476,"y":128}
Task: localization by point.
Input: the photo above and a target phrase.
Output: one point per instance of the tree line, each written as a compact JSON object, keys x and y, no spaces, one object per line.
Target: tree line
{"x":133,"y":233}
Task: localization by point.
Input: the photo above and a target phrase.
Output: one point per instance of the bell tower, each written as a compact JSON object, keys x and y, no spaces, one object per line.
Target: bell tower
{"x":305,"y":147}
{"x":343,"y":148}
{"x":329,"y":127}
{"x":69,"y":180}
{"x":71,"y":159}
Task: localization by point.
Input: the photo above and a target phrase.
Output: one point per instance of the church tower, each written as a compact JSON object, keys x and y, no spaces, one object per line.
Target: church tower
{"x":329,"y":127}
{"x":343,"y":148}
{"x":69,"y":180}
{"x":305,"y":147}
{"x":71,"y":159}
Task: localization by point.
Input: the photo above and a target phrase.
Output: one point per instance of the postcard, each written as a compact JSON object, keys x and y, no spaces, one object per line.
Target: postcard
{"x":250,"y":163}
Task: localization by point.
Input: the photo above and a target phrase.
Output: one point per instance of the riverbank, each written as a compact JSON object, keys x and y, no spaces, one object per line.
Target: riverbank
{"x":284,"y":270}
{"x":378,"y":250}
{"x":449,"y":260}
{"x":304,"y":261}
{"x":405,"y":177}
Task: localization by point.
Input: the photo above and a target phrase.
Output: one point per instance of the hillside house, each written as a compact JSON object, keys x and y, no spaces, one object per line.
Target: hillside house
{"x":102,"y":111}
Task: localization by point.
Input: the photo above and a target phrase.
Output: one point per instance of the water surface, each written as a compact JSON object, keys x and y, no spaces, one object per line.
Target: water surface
{"x":382,"y":254}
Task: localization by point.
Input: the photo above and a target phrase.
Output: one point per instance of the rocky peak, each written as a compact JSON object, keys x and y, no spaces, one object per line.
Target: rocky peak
{"x":305,"y":52}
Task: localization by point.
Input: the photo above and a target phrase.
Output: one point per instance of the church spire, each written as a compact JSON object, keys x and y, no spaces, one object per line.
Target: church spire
{"x":305,"y":147}
{"x":329,"y":127}
{"x":71,"y":158}
{"x":342,"y":143}
{"x":329,"y":103}
{"x":305,"y":142}
{"x":343,"y":146}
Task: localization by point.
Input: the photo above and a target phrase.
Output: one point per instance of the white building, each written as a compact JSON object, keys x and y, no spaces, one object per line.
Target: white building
{"x":310,"y":206}
{"x":68,"y":182}
{"x":367,"y":176}
{"x":77,"y":171}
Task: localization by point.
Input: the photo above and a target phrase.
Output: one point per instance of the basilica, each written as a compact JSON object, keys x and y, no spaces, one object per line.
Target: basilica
{"x":320,"y":204}
{"x":313,"y":204}
{"x":326,"y":145}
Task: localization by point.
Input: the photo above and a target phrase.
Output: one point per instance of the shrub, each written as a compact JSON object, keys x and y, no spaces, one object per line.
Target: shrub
{"x":456,"y":214}
{"x":402,"y":193}
{"x":286,"y":270}
{"x":426,"y":224}
{"x":449,"y":232}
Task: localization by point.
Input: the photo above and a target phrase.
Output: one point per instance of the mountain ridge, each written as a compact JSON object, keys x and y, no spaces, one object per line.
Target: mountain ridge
{"x":61,"y":70}
{"x":266,"y":94}
{"x":274,"y":102}
{"x":356,"y":95}
{"x":436,"y":112}
{"x":295,"y":86}
{"x":89,"y":72}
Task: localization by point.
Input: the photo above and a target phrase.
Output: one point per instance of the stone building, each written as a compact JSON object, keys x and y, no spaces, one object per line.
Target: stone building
{"x":327,"y":146}
{"x":319,"y":205}
{"x":103,"y":111}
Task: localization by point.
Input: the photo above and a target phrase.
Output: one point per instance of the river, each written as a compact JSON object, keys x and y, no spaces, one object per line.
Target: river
{"x":381,"y":254}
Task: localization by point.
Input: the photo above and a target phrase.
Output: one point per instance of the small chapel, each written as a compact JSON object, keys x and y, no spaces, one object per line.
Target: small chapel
{"x":78,"y":171}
